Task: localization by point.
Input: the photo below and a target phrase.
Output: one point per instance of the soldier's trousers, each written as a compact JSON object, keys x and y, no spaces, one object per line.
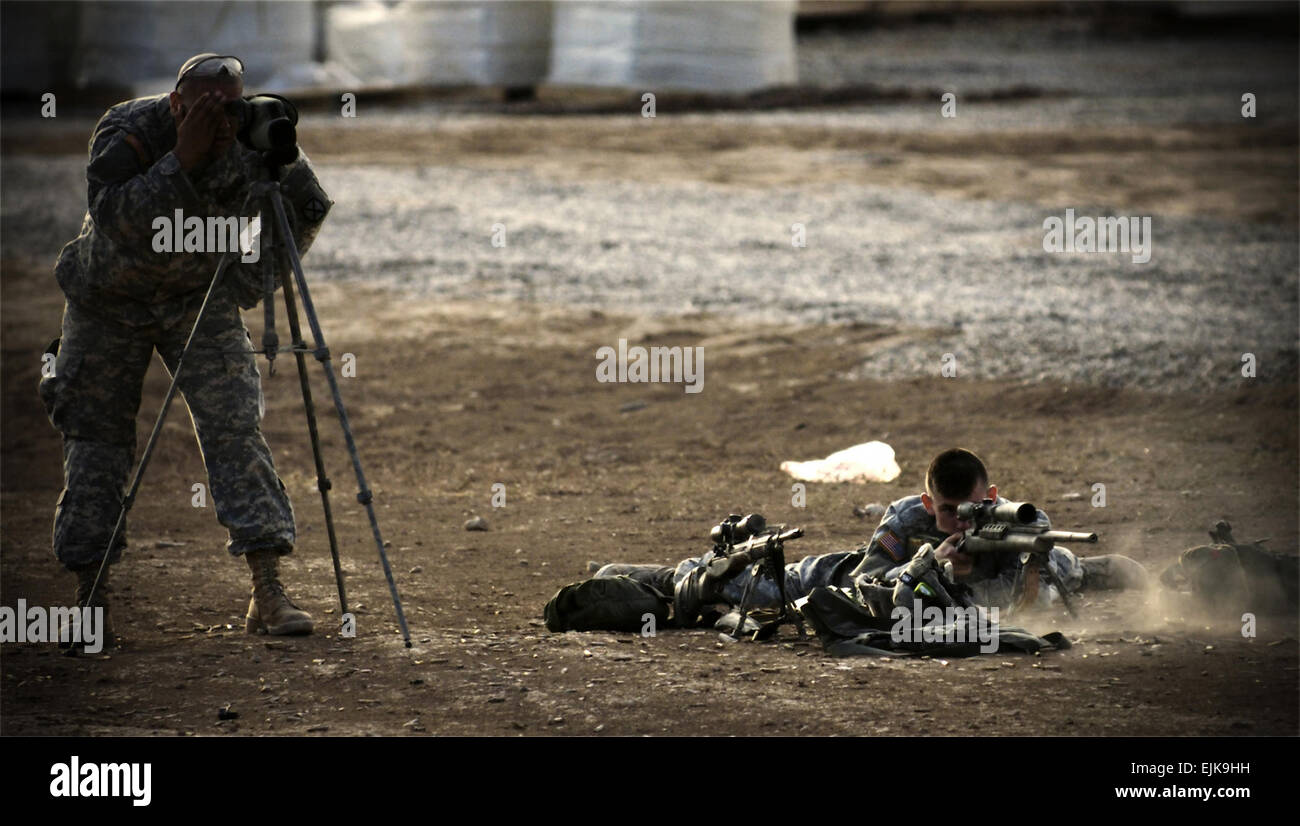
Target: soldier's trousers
{"x":94,"y":396}
{"x":800,"y":578}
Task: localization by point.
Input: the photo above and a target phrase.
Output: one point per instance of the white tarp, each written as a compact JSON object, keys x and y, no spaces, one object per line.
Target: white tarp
{"x":868,"y":462}
{"x":697,"y":46}
{"x":142,"y":44}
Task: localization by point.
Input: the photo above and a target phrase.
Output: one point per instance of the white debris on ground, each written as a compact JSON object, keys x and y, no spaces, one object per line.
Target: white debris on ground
{"x":867,"y":462}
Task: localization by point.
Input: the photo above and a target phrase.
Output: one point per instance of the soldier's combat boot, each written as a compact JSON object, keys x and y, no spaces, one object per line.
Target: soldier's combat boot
{"x":86,"y":580}
{"x":690,"y":596}
{"x":703,"y":586}
{"x":270,"y":611}
{"x":1112,"y":572}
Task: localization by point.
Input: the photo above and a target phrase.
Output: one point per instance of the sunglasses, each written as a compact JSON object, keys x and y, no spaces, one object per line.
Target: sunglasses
{"x":219,"y":66}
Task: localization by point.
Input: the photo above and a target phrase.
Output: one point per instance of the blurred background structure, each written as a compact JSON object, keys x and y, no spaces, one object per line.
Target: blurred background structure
{"x":707,"y":46}
{"x":300,"y":45}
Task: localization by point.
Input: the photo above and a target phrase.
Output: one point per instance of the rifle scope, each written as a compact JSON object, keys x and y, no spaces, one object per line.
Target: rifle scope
{"x":1016,"y":513}
{"x":736,"y":529}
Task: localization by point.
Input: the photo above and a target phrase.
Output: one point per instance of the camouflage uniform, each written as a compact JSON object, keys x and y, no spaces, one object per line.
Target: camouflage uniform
{"x":800,"y":578}
{"x":906,"y":526}
{"x":124,"y":300}
{"x":692,"y":587}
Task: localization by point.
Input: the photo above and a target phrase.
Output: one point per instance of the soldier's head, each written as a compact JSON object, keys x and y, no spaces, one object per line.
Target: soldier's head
{"x":219,"y":75}
{"x":955,"y":476}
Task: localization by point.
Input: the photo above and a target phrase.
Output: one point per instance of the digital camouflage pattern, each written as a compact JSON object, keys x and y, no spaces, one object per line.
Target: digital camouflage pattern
{"x":112,"y":266}
{"x":800,"y":577}
{"x":124,"y":301}
{"x":906,"y":525}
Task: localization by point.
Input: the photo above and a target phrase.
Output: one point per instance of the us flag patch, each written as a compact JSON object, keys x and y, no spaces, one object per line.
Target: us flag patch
{"x":890,"y":542}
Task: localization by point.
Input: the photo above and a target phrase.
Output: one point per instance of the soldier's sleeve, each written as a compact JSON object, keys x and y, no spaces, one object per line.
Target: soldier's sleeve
{"x":305,"y":202}
{"x":1042,"y":521}
{"x":125,"y":193}
{"x":887,"y":548}
{"x":305,"y":206}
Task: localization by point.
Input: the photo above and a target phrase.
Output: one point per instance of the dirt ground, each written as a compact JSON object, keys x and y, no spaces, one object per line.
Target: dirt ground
{"x":1206,"y":170}
{"x":1213,"y":171}
{"x":450,"y":399}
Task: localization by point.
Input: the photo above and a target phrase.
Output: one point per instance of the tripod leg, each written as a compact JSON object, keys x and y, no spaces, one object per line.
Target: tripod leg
{"x":322,"y":480}
{"x":745,"y":599}
{"x":364,"y":495}
{"x":129,"y":499}
{"x":270,"y":341}
{"x":789,"y":614}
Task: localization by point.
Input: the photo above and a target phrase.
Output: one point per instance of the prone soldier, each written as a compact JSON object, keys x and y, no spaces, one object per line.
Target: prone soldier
{"x":958,"y":476}
{"x":953,"y":477}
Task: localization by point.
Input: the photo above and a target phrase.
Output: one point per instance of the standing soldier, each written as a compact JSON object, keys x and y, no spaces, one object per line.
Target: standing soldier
{"x":150,"y":158}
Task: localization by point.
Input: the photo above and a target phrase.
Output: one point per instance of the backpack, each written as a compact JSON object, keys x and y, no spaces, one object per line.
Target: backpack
{"x":617,"y":603}
{"x":1231,"y":577}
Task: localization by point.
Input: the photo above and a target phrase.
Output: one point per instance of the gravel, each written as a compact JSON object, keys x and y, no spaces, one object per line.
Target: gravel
{"x":966,"y":278}
{"x":971,"y":277}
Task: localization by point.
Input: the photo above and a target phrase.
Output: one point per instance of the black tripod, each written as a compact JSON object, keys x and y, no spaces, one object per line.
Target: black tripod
{"x":763,"y":551}
{"x":267,"y":193}
{"x":771,"y":564}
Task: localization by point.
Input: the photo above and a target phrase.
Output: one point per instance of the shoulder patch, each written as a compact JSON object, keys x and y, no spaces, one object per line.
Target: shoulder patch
{"x":891,"y":542}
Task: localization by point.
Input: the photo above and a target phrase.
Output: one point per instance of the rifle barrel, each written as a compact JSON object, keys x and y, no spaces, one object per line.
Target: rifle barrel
{"x":766,"y":539}
{"x":1022,"y":541}
{"x":1069,"y":536}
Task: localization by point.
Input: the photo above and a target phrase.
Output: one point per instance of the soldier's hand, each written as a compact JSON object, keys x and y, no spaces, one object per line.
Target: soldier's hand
{"x":962,"y":563}
{"x":226,"y":127}
{"x":198,"y":129}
